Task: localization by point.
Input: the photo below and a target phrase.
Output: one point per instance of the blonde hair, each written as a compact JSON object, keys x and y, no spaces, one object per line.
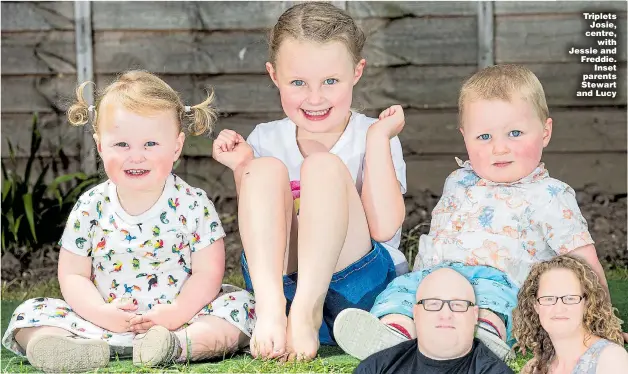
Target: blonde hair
{"x":142,"y":92}
{"x":318,"y":22}
{"x":503,"y":82}
{"x":599,"y":318}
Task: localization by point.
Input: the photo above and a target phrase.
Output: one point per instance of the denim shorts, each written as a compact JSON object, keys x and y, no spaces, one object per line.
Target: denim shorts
{"x":356,"y":286}
{"x":494,"y":290}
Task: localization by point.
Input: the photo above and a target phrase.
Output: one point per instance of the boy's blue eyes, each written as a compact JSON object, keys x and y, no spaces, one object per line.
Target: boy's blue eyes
{"x":513,"y":133}
{"x":125,"y":144}
{"x":328,"y":81}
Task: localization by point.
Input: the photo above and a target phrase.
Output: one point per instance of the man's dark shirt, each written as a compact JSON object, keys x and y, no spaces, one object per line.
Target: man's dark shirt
{"x":406,"y":358}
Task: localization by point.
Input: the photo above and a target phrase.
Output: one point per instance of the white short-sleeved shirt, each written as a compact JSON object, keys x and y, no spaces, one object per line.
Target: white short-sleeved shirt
{"x":145,"y":257}
{"x":278,"y":139}
{"x":509,"y":226}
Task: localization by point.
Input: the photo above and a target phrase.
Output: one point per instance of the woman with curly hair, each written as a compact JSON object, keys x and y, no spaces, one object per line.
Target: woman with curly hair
{"x":565,"y":317}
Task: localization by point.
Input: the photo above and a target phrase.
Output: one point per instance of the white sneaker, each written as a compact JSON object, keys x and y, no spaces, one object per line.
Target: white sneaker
{"x":157,"y":347}
{"x":495,"y":344}
{"x":360,"y":334}
{"x":67,"y":354}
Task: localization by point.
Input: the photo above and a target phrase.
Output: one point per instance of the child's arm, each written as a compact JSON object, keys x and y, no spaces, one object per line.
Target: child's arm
{"x":589,"y":254}
{"x":381,"y":194}
{"x":208,"y":268}
{"x":80,"y":293}
{"x":231,"y":150}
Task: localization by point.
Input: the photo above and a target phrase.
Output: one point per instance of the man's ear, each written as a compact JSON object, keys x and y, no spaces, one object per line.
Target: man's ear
{"x":272,"y":73}
{"x":98,"y":146}
{"x":415,"y":311}
{"x":476,"y":313}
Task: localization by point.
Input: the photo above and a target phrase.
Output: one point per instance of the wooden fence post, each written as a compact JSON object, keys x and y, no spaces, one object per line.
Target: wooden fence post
{"x":486,"y":35}
{"x":85,"y":72}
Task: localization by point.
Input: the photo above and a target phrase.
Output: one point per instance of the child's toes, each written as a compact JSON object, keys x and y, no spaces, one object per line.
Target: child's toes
{"x":278,"y":345}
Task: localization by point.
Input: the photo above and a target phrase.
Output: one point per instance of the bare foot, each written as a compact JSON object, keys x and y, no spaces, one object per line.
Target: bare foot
{"x":302,"y":342}
{"x":269,"y":336}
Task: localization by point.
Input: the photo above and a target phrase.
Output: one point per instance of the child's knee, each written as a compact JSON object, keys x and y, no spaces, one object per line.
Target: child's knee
{"x":265,"y":167}
{"x":322,"y":163}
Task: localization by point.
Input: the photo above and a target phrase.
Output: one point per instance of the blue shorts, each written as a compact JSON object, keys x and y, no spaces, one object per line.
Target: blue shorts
{"x":356,"y":286}
{"x":493,"y":288}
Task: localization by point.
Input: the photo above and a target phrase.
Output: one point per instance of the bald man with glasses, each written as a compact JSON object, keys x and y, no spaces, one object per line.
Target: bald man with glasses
{"x":445,"y":316}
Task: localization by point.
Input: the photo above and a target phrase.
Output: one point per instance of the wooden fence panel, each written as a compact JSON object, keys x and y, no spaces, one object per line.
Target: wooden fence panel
{"x":424,"y":41}
{"x":183,"y":52}
{"x":562,"y":7}
{"x":27,"y":94}
{"x":187,"y":15}
{"x":537,"y":39}
{"x":55,"y":131}
{"x":398,"y":9}
{"x":405,"y":41}
{"x":37,"y":15}
{"x":38,"y":53}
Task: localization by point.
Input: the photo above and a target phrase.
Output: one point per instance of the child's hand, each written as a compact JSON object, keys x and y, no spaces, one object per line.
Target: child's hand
{"x":165,"y":315}
{"x":391,"y":122}
{"x":119,"y":313}
{"x":125,"y":303}
{"x":230,"y":149}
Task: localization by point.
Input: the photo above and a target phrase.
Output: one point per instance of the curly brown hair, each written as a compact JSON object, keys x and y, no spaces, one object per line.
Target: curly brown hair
{"x":599,"y":317}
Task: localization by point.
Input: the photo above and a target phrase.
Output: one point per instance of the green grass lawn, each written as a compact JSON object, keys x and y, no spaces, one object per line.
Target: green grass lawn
{"x":330,"y":360}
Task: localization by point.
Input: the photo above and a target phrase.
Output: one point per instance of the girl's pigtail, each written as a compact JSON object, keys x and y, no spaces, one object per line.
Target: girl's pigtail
{"x":78,"y":113}
{"x":202,"y":116}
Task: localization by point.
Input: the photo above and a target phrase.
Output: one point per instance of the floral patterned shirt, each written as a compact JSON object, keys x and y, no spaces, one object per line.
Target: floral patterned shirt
{"x":509,"y":226}
{"x":145,"y":257}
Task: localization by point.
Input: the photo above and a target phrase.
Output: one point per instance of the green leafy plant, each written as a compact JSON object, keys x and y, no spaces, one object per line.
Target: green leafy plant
{"x":34,"y":210}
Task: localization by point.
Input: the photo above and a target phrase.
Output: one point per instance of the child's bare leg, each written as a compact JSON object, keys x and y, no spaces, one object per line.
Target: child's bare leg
{"x":23,"y":336}
{"x":210,"y":337}
{"x":265,"y":210}
{"x":401,"y":320}
{"x":333,"y":233}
